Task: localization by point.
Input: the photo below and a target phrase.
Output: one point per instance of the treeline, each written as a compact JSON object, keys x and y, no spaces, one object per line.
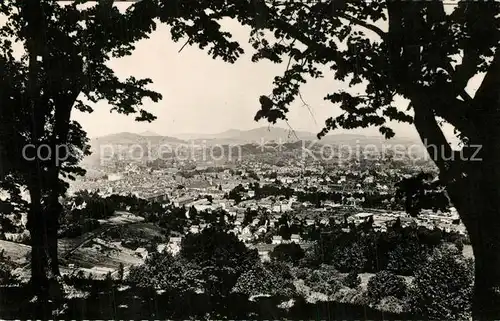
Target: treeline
{"x":219,"y":267}
{"x":366,"y":250}
{"x":83,"y":211}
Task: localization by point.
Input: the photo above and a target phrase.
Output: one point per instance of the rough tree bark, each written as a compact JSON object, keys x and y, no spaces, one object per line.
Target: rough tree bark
{"x":472,"y":180}
{"x":53,"y":213}
{"x":472,"y":183}
{"x":33,"y":16}
{"x":478,"y":202}
{"x":37,"y":228}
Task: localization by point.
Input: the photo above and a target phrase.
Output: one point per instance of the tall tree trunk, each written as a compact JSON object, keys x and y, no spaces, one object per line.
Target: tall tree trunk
{"x":53,"y":253}
{"x":37,"y":229}
{"x":486,"y":295}
{"x":477,"y":199}
{"x":483,"y":225}
{"x":53,"y":213}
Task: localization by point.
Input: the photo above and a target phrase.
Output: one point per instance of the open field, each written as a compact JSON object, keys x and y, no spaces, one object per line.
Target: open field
{"x":122,"y":218}
{"x":16,"y":251}
{"x":103,"y":255}
{"x":85,"y":251}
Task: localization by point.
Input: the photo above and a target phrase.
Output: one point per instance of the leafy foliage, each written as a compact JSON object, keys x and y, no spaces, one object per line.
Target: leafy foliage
{"x":442,"y":288}
{"x":221,"y":257}
{"x":352,"y":280}
{"x":422,"y":192}
{"x":324,"y":279}
{"x":6,"y":276}
{"x":266,"y":279}
{"x":384,"y":284}
{"x":287,"y":252}
{"x":168,"y":273}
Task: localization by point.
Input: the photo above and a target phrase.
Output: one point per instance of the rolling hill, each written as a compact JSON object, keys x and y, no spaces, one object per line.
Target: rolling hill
{"x":116,"y":143}
{"x":283,"y":135}
{"x":234,"y":137}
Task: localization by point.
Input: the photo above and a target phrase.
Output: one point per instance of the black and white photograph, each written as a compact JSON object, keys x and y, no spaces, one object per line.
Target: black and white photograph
{"x":250,"y":160}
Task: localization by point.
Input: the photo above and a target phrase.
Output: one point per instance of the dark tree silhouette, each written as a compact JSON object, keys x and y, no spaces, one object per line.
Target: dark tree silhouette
{"x":63,"y":67}
{"x":221,"y":255}
{"x":413,"y":50}
{"x":421,"y":192}
{"x":290,"y":252}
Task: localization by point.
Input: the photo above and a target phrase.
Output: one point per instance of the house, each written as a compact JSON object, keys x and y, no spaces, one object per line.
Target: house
{"x":295,"y":238}
{"x":173,"y":248}
{"x":360,"y":217}
{"x":264,"y":250}
{"x":277,"y":239}
{"x":175,"y":240}
{"x":141,"y":252}
{"x":324,"y":221}
{"x":203,"y":207}
{"x":183,"y":201}
{"x":174,"y":245}
{"x":369,"y":180}
{"x":161,"y":247}
{"x":245,"y":235}
{"x":194,"y":229}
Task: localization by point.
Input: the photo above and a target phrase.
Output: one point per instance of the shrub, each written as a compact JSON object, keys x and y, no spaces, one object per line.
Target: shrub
{"x":384,"y":284}
{"x":324,"y":280}
{"x":352,"y":280}
{"x":392,"y":305}
{"x":349,"y":258}
{"x":5,"y":274}
{"x":405,"y":258}
{"x":272,"y":279}
{"x":459,"y":244}
{"x":302,"y":273}
{"x":291,"y":252}
{"x":165,"y":272}
{"x":221,"y":256}
{"x":442,"y":288}
{"x":311,"y":259}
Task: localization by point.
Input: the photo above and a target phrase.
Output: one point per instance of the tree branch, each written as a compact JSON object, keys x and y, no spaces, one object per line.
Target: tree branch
{"x":488,"y":92}
{"x":432,"y":136}
{"x":363,"y":24}
{"x":399,"y":70}
{"x":487,"y":99}
{"x":314,"y":45}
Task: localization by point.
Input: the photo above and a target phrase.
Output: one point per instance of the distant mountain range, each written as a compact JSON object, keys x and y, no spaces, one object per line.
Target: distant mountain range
{"x":261,"y":135}
{"x":126,"y":138}
{"x":256,"y":135}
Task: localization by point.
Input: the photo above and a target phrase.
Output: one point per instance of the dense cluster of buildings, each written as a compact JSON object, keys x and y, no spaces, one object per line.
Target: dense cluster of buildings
{"x":206,"y":189}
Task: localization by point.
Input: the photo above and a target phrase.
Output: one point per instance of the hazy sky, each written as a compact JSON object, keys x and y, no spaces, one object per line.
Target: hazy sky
{"x":203,"y":95}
